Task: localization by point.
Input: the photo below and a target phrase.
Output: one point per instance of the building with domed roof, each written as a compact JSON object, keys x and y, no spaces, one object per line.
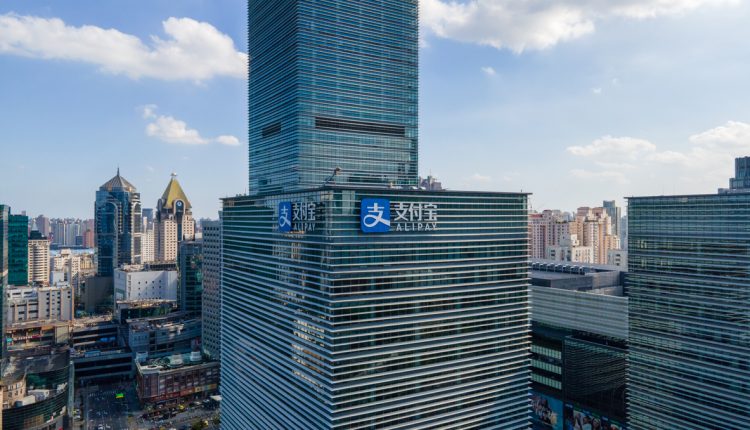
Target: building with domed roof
{"x":173,"y":221}
{"x":117,"y":213}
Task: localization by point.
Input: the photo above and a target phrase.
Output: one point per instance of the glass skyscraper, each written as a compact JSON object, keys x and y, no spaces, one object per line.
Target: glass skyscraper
{"x":18,"y":250}
{"x":689,"y":287}
{"x":119,"y":225}
{"x":190,"y":268}
{"x":4,"y":220}
{"x":350,"y":298}
{"x":333,"y":84}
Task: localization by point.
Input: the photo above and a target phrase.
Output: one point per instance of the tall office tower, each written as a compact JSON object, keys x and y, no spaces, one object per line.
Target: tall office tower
{"x":353,"y":299}
{"x":615,"y":215}
{"x":190,"y":269}
{"x":342,"y":96}
{"x":4,"y":221}
{"x":173,"y":221}
{"x":18,"y":250}
{"x":43,"y":225}
{"x":211,"y":314}
{"x":117,"y":214}
{"x":689,"y":288}
{"x":38,"y":258}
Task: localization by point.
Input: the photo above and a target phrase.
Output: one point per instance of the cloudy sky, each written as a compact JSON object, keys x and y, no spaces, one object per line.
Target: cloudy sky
{"x":575,"y":101}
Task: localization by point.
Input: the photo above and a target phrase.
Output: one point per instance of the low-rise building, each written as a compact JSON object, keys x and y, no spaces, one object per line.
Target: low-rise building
{"x":40,"y":303}
{"x":94,"y":333}
{"x":102,"y":366}
{"x":35,"y":335}
{"x":38,"y":392}
{"x":166,"y":335}
{"x":141,"y":282}
{"x":136,"y":309}
{"x":579,"y":345}
{"x":167,"y":381}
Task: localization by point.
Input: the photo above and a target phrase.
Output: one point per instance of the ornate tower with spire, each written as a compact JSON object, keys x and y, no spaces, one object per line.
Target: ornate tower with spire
{"x":174,"y":221}
{"x":117,"y":213}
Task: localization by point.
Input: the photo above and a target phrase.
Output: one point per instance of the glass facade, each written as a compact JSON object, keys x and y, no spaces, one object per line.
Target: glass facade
{"x":190,"y":268}
{"x":119,"y":225}
{"x":334,"y":328}
{"x":4,"y":218}
{"x":333,"y":84}
{"x":18,"y":250}
{"x":689,"y":287}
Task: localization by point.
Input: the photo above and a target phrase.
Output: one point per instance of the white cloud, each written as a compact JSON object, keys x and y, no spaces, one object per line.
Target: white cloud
{"x":596,"y":91}
{"x":537,"y":24}
{"x":171,"y":130}
{"x":706,"y":161}
{"x":228,"y":140}
{"x":489,"y":71}
{"x":192,"y":50}
{"x":614,"y":149}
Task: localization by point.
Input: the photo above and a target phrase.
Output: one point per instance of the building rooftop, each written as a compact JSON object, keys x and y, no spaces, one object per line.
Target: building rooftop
{"x":175,"y":361}
{"x":173,"y":193}
{"x":18,"y":367}
{"x":118,"y":183}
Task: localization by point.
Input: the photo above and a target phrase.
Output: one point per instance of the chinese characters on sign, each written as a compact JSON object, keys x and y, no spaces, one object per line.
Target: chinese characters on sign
{"x":407,"y":216}
{"x":297,"y":216}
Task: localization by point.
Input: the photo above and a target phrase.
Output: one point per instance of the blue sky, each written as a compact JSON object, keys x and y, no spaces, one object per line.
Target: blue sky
{"x":574,"y":101}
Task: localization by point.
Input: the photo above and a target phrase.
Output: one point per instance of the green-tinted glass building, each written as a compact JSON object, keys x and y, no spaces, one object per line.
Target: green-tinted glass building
{"x":190,"y":268}
{"x":18,"y":250}
{"x":333,"y":83}
{"x":689,"y":305}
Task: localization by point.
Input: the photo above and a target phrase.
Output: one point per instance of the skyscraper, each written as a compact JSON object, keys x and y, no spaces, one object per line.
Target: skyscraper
{"x":18,"y":250}
{"x":174,"y":221}
{"x":353,"y":299}
{"x":689,"y":287}
{"x":4,"y":220}
{"x":211,"y":314}
{"x":330,"y":89}
{"x":117,"y":214}
{"x":615,"y":215}
{"x":38,"y":258}
{"x":190,"y":269}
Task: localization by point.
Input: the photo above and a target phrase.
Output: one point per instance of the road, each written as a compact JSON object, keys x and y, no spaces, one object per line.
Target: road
{"x":101,"y":407}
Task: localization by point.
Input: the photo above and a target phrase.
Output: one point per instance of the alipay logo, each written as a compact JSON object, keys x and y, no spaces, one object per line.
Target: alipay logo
{"x":285,"y":217}
{"x":375,"y":215}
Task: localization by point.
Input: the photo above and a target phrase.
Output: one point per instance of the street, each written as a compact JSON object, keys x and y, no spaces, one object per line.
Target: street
{"x":103,"y":410}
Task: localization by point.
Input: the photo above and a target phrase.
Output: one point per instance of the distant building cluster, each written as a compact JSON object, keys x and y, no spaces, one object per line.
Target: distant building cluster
{"x":588,"y":236}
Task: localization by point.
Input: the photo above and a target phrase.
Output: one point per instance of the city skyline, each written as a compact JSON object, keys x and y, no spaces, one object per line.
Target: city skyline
{"x":610,"y":87}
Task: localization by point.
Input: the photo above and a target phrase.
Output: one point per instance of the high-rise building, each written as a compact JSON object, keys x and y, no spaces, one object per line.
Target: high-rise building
{"x":18,"y":250}
{"x":118,"y":225}
{"x":556,"y":236}
{"x":352,"y":298}
{"x":148,"y":245}
{"x":615,"y":215}
{"x":38,"y":258}
{"x":211,"y":314}
{"x":43,"y":225}
{"x":4,"y":221}
{"x":174,"y":221}
{"x":689,"y":288}
{"x":343,"y":97}
{"x":190,"y":269}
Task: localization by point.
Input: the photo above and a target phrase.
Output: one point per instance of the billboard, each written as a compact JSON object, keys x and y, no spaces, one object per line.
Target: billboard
{"x":547,"y":412}
{"x":577,"y":418}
